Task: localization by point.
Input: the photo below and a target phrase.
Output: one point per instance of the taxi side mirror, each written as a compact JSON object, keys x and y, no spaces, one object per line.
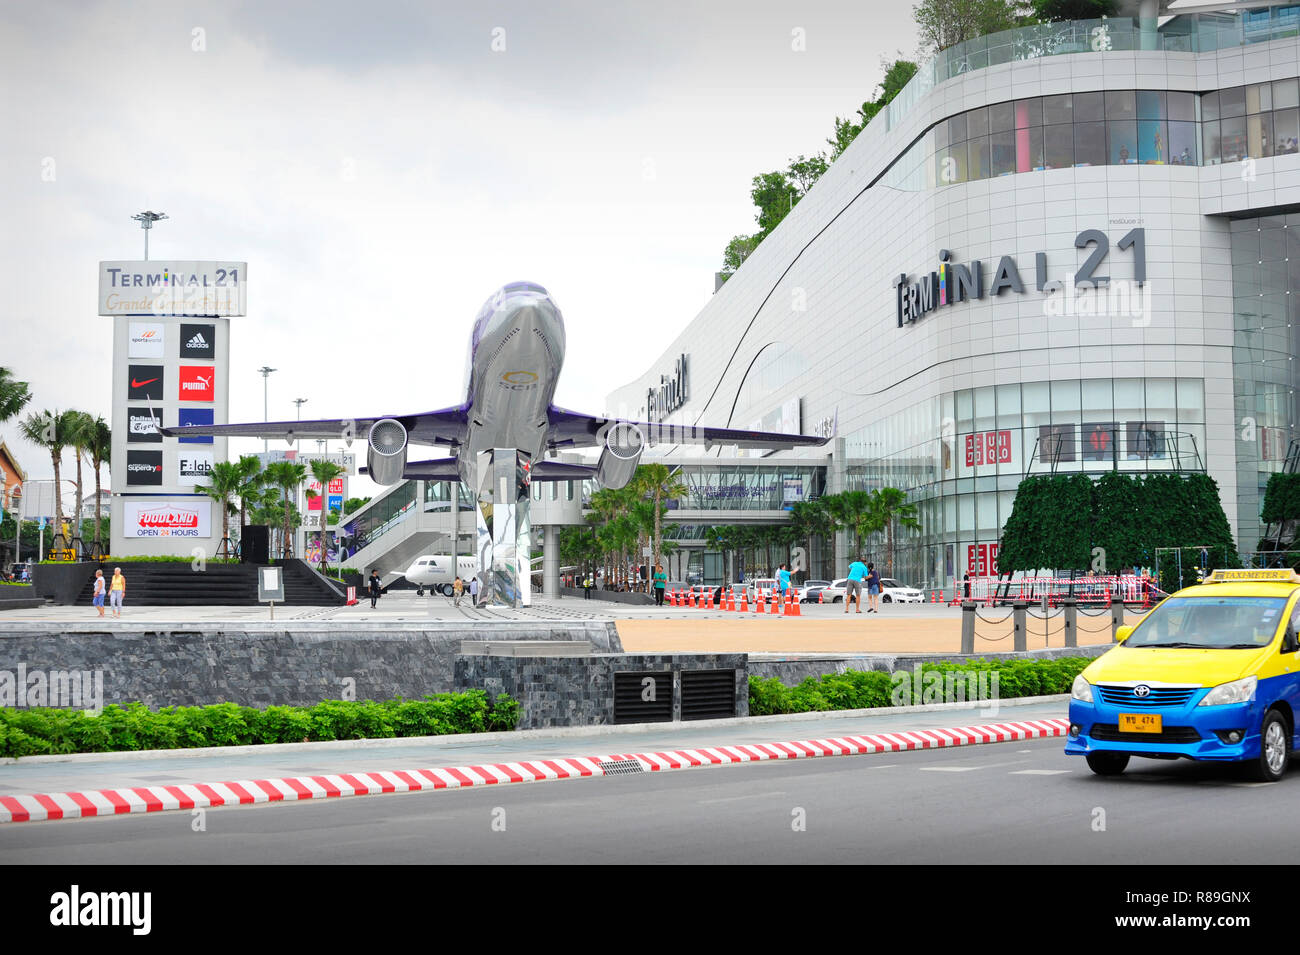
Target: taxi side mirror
{"x":1123,"y":633}
{"x":1289,"y":642}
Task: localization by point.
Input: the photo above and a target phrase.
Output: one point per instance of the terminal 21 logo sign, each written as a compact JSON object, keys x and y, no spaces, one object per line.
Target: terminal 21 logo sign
{"x":953,"y":282}
{"x":142,"y":427}
{"x":144,"y":467}
{"x":670,"y":395}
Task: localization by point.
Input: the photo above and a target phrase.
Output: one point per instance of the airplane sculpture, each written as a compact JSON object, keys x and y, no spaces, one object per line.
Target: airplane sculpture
{"x":499,"y":435}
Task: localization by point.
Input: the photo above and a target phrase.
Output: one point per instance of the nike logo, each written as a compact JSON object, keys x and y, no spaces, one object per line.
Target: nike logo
{"x":141,"y":384}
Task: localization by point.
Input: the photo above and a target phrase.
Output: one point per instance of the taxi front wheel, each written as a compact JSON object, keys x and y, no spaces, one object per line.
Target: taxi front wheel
{"x":1274,"y":748}
{"x":1107,"y":764}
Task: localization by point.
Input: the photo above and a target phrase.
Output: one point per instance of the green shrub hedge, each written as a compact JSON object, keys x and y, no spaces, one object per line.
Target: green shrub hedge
{"x":858,"y":690}
{"x":29,"y":732}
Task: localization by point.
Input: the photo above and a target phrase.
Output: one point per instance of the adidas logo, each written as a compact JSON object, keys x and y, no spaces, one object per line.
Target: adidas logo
{"x":198,"y":341}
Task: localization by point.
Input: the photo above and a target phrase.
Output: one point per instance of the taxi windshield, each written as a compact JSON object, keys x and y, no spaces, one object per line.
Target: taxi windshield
{"x":1222,"y":623}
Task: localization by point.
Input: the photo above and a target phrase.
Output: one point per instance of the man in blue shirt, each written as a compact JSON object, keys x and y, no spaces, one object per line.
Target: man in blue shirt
{"x":853,"y":587}
{"x":783,"y":580}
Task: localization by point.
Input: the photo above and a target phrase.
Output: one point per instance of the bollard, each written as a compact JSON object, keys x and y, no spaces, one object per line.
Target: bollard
{"x":1071,"y":621}
{"x":967,"y":627}
{"x":1018,"y":619}
{"x":1116,"y":616}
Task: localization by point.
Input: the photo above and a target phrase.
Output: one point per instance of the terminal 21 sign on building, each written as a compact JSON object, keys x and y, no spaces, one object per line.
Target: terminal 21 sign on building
{"x":171,"y":352}
{"x":954,"y":282}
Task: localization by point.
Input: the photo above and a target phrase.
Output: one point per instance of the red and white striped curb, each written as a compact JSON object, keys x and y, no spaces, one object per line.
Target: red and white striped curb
{"x":108,"y":802}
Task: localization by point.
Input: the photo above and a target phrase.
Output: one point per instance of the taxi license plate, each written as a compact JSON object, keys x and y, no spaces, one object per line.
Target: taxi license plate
{"x":1139,"y":723}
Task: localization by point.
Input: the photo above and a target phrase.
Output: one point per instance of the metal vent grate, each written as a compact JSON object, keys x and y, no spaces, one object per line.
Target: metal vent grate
{"x":708,"y":694}
{"x":621,"y":767}
{"x":643,"y":697}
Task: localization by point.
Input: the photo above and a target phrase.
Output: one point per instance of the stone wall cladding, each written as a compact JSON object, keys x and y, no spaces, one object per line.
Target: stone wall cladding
{"x":293,"y":663}
{"x":579,"y":691}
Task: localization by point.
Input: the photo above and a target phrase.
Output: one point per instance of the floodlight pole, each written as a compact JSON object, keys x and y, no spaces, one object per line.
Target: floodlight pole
{"x":146,"y":220}
{"x":266,"y":373}
{"x":299,"y":402}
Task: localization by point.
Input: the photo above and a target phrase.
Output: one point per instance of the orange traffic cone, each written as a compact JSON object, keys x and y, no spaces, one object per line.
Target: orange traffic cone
{"x":821,"y":596}
{"x":758,"y":601}
{"x":691,"y":600}
{"x":794,"y":605}
{"x":776,"y":602}
{"x":744,"y":601}
{"x":708,"y":600}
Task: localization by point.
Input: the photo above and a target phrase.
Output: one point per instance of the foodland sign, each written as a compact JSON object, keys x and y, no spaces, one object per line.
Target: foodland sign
{"x":954,"y":282}
{"x":168,"y":519}
{"x":187,"y":288}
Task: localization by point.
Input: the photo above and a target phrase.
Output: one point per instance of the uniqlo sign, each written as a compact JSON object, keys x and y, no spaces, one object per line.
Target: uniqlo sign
{"x":196,"y":383}
{"x":982,"y":559}
{"x":988,"y":447}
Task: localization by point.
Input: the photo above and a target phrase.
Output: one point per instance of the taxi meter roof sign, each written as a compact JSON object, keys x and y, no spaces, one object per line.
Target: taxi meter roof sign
{"x":1286,"y":576}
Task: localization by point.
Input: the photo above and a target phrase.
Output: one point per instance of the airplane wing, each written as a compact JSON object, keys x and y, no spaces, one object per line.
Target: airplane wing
{"x":571,"y":429}
{"x":445,"y":426}
{"x":444,"y":469}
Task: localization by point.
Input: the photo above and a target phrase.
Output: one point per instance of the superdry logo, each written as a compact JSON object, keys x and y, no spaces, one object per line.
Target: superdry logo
{"x":146,"y":468}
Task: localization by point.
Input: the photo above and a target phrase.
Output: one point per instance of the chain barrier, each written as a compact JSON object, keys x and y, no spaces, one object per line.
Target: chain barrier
{"x":990,"y":620}
{"x":991,"y":639}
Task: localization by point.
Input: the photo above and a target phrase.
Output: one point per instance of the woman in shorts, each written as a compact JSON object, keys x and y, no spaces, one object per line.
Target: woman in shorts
{"x":99,"y":592}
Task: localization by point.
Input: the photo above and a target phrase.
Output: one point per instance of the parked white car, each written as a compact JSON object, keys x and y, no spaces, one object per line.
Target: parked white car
{"x":891,"y":591}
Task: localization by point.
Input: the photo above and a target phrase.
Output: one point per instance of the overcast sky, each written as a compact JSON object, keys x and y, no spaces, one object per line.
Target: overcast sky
{"x":382,"y":170}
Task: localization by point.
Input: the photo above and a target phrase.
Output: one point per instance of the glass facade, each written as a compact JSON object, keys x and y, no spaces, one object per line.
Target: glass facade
{"x":1266,"y":309}
{"x":1185,"y":33}
{"x":749,"y":488}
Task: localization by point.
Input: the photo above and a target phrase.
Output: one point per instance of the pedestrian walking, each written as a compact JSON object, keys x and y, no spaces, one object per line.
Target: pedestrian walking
{"x":473,"y":591}
{"x":99,"y":592}
{"x":117,"y":591}
{"x":873,"y":589}
{"x":376,"y":589}
{"x":661,"y":581}
{"x":853,"y":586}
{"x":457,"y":588}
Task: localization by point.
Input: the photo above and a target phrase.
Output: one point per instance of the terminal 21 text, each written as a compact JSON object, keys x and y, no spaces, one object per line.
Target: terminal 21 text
{"x":954,"y":282}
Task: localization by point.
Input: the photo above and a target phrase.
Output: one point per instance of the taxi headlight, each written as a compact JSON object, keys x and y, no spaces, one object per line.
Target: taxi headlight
{"x":1081,"y":690}
{"x":1238,"y":691}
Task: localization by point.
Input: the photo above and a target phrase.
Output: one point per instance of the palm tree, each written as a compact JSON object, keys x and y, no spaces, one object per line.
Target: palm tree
{"x":99,"y":449}
{"x":81,"y":433}
{"x":49,"y":429}
{"x":890,"y":505}
{"x":13,"y":394}
{"x":661,"y":484}
{"x":287,"y":476}
{"x":852,"y":510}
{"x":324,"y":472}
{"x":226,"y":480}
{"x":813,"y":519}
{"x":252,"y":479}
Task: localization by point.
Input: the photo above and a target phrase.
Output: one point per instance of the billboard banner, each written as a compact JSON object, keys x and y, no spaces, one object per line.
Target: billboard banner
{"x":145,"y":340}
{"x":178,"y":288}
{"x":190,"y":518}
{"x":347,"y":460}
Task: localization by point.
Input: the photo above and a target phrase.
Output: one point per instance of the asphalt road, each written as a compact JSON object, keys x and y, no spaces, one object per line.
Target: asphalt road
{"x":1001,"y":803}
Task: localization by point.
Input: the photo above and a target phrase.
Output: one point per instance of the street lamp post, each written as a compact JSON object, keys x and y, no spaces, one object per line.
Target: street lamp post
{"x":146,"y":220}
{"x":299,"y":402}
{"x":266,"y":373}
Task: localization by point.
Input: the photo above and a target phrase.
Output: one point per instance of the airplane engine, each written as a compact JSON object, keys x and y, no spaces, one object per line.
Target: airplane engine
{"x":386,"y":451}
{"x":622,"y":452}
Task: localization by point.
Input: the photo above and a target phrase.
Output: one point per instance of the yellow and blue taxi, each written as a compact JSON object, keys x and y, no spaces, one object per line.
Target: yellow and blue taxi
{"x":1212,"y":673}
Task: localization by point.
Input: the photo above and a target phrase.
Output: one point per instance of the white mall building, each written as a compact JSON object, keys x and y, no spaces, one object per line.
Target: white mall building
{"x":1061,"y":248}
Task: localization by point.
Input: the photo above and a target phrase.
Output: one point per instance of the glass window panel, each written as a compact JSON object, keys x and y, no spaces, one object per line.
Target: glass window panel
{"x":940,"y":133}
{"x":1259,"y":98}
{"x":1259,"y":135}
{"x":1191,"y":401}
{"x":1029,"y":112}
{"x":1122,"y":138}
{"x":1029,"y":149}
{"x":985,"y":419}
{"x":979,"y":164}
{"x":1057,"y":109}
{"x":1210,"y":152}
{"x":1090,"y":143}
{"x":1002,"y":116}
{"x":1232,"y":102}
{"x":1097,"y":397}
{"x":965,"y":410}
{"x":1058,"y":142}
{"x":1286,"y":131}
{"x":1121,"y":104}
{"x":977,"y":122}
{"x":1209,"y":106}
{"x":1151,"y":104}
{"x":957,"y":128}
{"x":1182,"y":106}
{"x":1129,"y":397}
{"x":1153,"y":141}
{"x":1036,"y":397}
{"x":1089,"y":107}
{"x":1008,"y":405}
{"x":1184,"y":143}
{"x":1233,"y":138}
{"x":1286,"y":94}
{"x":1065,"y":400}
{"x":1004,"y":152}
